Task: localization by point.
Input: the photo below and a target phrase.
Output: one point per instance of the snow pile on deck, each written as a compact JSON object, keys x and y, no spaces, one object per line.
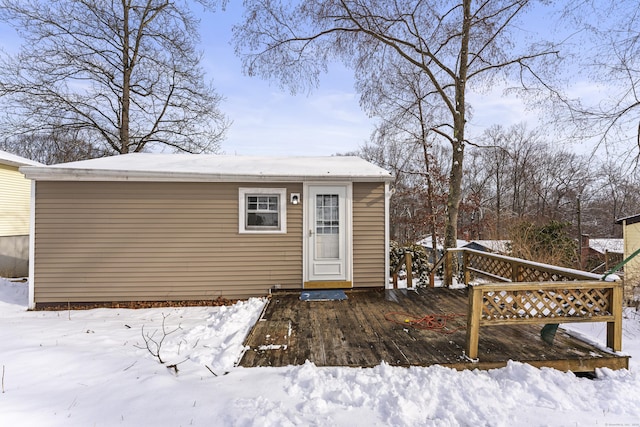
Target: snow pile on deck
{"x":92,"y":367}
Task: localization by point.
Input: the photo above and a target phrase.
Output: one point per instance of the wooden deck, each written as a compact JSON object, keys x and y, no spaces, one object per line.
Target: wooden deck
{"x":355,"y":332}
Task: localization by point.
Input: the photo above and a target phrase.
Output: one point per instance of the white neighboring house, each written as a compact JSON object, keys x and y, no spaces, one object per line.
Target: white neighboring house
{"x":15,"y":203}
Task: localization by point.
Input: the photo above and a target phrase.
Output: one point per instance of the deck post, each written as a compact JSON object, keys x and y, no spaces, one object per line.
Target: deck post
{"x":614,"y":329}
{"x":408,"y":265}
{"x":515,"y":272}
{"x":474,"y":312}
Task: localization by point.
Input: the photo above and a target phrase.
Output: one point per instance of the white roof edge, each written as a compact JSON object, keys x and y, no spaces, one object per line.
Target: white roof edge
{"x":7,"y":158}
{"x":210,"y":168}
{"x":38,"y":173}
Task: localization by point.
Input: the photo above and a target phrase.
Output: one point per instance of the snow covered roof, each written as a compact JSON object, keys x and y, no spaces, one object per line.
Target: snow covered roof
{"x":501,"y":246}
{"x":7,"y":158}
{"x":607,"y":245}
{"x":427,"y":243}
{"x":210,"y":168}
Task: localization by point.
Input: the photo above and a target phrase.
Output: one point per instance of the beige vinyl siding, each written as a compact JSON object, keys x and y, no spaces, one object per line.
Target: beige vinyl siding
{"x":15,"y":196}
{"x":631,"y":244}
{"x":125,"y":241}
{"x":368,"y":235}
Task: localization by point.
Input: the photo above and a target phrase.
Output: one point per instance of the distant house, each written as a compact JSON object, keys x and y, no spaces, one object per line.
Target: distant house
{"x":599,"y":255}
{"x":493,"y":246}
{"x":603,"y":246}
{"x":15,"y":196}
{"x":631,"y":236}
{"x":502,"y":247}
{"x":163,"y":227}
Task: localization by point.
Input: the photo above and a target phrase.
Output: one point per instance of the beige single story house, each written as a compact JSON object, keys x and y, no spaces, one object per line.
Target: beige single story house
{"x":177,"y":227}
{"x":15,"y":200}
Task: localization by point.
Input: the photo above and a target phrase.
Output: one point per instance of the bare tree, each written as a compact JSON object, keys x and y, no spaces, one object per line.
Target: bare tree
{"x":496,"y":161}
{"x":476,"y":199}
{"x":606,"y":48}
{"x":616,"y":194}
{"x":456,"y":44}
{"x":122,"y":75}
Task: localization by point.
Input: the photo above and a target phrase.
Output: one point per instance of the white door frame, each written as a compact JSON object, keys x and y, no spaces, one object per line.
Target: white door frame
{"x":308,"y":216}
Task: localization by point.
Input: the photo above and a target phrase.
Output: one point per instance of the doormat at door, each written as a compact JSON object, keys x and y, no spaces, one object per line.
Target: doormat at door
{"x":323,"y":295}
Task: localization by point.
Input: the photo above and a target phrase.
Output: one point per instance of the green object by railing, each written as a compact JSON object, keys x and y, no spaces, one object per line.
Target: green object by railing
{"x":548,"y":331}
{"x":619,"y":266}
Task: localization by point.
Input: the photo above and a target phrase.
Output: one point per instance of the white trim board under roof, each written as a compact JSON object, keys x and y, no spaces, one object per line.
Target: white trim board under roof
{"x":210,"y":168}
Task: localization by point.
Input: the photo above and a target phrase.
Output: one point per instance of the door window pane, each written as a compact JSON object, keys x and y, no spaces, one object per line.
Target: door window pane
{"x":327,"y":226}
{"x":327,"y":214}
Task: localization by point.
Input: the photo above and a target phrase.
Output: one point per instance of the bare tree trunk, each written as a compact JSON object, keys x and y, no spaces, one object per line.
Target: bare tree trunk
{"x":455,"y":177}
{"x":455,"y":196}
{"x":432,"y":215}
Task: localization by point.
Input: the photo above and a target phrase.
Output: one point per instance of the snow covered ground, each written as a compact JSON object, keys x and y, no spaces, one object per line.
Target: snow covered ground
{"x":92,"y":368}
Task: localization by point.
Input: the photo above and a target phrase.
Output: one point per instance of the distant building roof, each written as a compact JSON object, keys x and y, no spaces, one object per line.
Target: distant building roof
{"x":206,"y":167}
{"x":427,"y":243}
{"x":7,"y":158}
{"x":629,"y":219}
{"x":499,"y":246}
{"x":607,"y":245}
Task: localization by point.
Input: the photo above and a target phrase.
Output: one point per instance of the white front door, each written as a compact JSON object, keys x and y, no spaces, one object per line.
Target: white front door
{"x":328,"y":217}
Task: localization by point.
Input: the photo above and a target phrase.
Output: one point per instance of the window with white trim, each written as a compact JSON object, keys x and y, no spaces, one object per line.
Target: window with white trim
{"x":262,"y":210}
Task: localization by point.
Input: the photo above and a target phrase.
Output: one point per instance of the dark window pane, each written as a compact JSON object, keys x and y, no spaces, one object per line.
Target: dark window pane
{"x":262,"y":211}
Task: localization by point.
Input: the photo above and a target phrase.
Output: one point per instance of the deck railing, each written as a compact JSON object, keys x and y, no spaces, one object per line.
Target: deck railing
{"x":525,"y":292}
{"x":503,"y":268}
{"x":543,"y":303}
{"x":407,"y":262}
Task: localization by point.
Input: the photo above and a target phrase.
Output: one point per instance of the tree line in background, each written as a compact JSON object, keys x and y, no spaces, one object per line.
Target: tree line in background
{"x":517,"y":183}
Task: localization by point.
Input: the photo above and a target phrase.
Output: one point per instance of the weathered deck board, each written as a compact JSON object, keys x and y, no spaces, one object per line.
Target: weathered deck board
{"x":354,"y":332}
